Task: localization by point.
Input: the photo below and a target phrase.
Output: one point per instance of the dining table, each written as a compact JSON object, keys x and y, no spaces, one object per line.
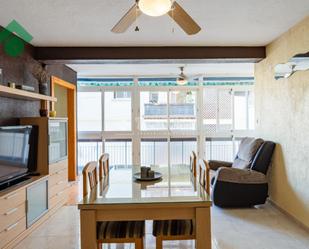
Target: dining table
{"x":120,"y":197}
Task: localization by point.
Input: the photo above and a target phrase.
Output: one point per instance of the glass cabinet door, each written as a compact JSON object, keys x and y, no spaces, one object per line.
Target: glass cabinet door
{"x":37,"y":201}
{"x":57,"y":140}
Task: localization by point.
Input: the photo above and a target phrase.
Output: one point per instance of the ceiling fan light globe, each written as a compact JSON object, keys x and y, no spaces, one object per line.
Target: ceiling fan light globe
{"x":155,"y":7}
{"x":181,"y":81}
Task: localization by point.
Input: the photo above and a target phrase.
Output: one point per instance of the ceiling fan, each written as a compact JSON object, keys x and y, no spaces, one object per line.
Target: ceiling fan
{"x":158,"y":8}
{"x":183,"y":78}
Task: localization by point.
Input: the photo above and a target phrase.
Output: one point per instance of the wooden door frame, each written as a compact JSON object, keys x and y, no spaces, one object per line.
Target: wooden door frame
{"x":71,"y":107}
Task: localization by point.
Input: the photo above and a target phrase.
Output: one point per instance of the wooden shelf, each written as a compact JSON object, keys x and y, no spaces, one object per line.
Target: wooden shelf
{"x":9,"y":92}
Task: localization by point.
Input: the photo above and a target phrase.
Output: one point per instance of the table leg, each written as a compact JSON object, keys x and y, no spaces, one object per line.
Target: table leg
{"x":203,"y":228}
{"x":88,"y":229}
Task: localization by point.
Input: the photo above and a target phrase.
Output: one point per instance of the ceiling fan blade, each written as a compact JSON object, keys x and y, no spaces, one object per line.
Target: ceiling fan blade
{"x":127,"y":20}
{"x":183,"y":19}
{"x":195,"y":77}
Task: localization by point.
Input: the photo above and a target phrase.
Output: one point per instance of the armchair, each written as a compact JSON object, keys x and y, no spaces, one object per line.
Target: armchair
{"x":243,"y":182}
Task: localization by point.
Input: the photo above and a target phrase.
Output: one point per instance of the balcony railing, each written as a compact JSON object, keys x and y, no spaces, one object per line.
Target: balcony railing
{"x":221,"y":149}
{"x":155,"y":152}
{"x":88,"y":151}
{"x":120,"y":152}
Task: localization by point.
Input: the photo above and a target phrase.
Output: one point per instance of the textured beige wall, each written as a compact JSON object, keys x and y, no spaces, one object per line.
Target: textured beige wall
{"x":61,"y":104}
{"x":282,"y":115}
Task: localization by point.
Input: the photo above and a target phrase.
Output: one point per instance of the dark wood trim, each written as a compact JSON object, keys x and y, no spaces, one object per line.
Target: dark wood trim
{"x":61,"y":55}
{"x":101,"y":54}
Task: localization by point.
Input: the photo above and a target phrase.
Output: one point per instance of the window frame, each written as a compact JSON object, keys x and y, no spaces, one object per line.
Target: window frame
{"x":136,"y":134}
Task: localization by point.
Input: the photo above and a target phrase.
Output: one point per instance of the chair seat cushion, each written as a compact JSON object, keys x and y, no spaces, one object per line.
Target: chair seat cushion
{"x":172,"y":227}
{"x":120,"y":229}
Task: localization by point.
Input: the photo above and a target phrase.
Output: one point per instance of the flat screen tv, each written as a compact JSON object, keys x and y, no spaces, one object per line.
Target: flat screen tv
{"x":17,"y":152}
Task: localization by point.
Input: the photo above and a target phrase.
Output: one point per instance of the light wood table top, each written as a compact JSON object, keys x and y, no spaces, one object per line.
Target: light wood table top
{"x":176,"y":186}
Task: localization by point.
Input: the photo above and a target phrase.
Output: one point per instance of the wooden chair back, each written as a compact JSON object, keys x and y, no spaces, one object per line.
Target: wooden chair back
{"x":103,"y":165}
{"x":90,"y":177}
{"x":193,"y":159}
{"x":204,"y":175}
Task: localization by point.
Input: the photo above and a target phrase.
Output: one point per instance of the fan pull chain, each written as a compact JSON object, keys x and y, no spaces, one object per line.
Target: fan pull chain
{"x":136,"y":21}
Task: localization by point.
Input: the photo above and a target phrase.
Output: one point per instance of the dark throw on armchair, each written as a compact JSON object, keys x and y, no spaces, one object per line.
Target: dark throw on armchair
{"x":243,"y":183}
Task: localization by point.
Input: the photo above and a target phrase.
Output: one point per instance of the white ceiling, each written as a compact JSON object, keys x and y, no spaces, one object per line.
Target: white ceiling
{"x":88,"y":22}
{"x":164,"y":70}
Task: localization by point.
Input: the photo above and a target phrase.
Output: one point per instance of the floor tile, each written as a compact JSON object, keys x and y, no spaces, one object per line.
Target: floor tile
{"x":261,"y":227}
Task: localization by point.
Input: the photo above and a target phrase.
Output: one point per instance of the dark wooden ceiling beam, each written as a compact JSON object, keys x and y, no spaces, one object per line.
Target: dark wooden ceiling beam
{"x":97,"y":54}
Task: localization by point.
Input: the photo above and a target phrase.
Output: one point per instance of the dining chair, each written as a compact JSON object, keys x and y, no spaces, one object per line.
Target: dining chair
{"x":193,"y":160}
{"x":90,"y":177}
{"x":103,"y":165}
{"x":112,"y":231}
{"x":204,"y":175}
{"x":181,"y":229}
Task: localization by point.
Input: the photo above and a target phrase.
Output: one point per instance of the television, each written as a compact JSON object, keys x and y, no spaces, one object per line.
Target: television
{"x":18,"y":146}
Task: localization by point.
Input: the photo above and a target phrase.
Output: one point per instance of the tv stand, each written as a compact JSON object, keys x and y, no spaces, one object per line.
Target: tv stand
{"x":46,"y":192}
{"x":13,"y":182}
{"x":15,"y":208}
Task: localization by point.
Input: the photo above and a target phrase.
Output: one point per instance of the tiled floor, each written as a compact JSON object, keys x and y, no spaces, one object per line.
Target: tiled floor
{"x":259,"y":228}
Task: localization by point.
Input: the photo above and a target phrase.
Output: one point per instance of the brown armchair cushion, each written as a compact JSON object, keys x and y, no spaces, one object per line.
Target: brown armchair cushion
{"x":215,"y":164}
{"x":240,"y":176}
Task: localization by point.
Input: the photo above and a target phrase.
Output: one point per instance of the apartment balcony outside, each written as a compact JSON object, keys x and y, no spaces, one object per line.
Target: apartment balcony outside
{"x":176,"y":110}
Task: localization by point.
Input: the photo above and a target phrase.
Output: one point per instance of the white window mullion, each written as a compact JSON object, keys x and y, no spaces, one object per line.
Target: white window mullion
{"x":247,"y":110}
{"x":102,"y":110}
{"x":233,"y":113}
{"x":168,"y":136}
{"x":234,"y":145}
{"x":103,"y":105}
{"x":168,"y":112}
{"x":136,"y":140}
{"x":200,"y":138}
{"x":233,"y":121}
{"x":169,"y":153}
{"x":218,"y":111}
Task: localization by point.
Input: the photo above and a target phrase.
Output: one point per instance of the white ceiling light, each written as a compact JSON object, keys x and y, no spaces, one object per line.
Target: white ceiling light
{"x":181,"y":81}
{"x":155,"y":7}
